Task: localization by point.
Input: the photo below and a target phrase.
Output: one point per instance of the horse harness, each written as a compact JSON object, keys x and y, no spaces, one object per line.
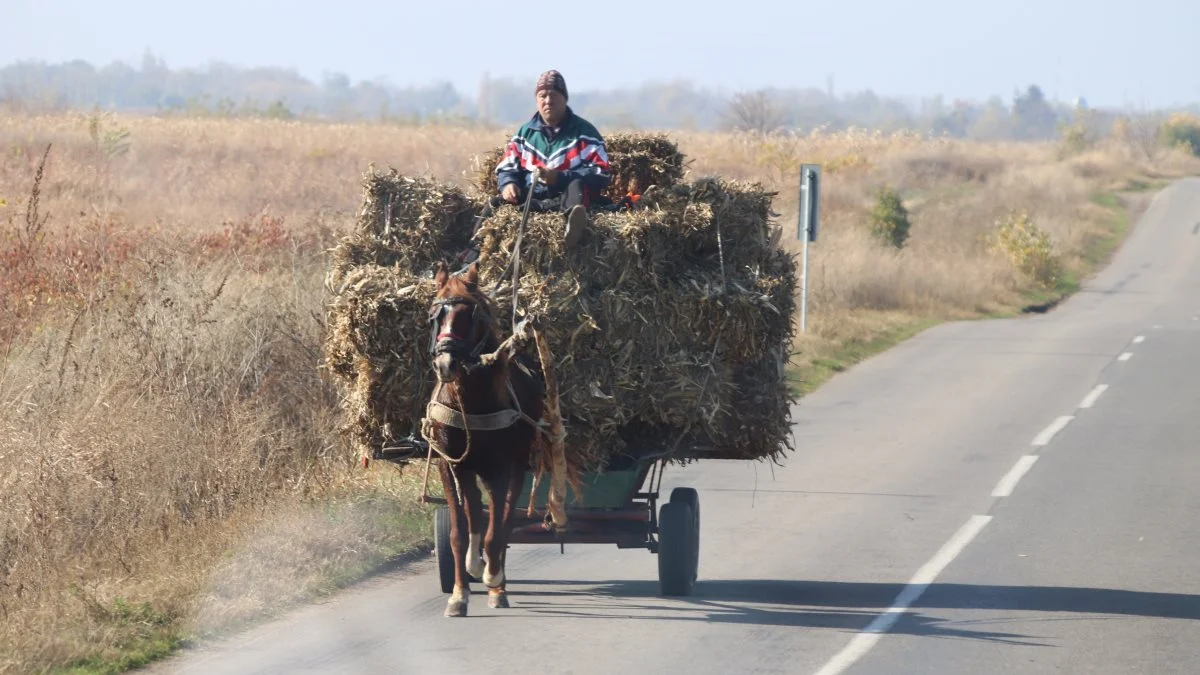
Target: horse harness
{"x":441,"y":413}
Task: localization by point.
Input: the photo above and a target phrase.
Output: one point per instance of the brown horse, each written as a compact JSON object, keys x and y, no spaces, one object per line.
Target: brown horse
{"x":481,"y":421}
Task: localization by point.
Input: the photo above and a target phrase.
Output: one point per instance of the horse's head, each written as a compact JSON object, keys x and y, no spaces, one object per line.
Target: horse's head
{"x":461,"y":323}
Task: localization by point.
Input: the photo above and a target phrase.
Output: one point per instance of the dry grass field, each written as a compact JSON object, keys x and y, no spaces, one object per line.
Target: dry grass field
{"x":169,"y":460}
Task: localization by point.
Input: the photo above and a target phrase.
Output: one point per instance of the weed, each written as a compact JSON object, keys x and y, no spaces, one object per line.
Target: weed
{"x":1182,"y":131}
{"x":1029,"y":248}
{"x":889,"y":218}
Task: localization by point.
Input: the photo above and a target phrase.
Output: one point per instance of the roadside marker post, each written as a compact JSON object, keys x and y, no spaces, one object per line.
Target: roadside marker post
{"x":807,"y":225}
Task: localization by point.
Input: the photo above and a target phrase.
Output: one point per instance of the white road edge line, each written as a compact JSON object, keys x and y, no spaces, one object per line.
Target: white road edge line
{"x":864,"y":641}
{"x":1055,"y":427}
{"x":1139,"y":339}
{"x":1090,"y":399}
{"x":1006,"y":485}
{"x":1125,"y":357}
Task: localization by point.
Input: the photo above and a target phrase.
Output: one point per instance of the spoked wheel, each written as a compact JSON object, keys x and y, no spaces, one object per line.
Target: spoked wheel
{"x":442,"y":550}
{"x":679,"y":543}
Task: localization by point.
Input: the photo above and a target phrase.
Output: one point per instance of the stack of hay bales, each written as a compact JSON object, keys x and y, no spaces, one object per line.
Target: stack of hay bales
{"x":669,"y":323}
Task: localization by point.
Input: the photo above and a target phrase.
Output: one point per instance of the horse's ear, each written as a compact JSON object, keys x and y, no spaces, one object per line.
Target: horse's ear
{"x":442,"y":275}
{"x":472,"y":277}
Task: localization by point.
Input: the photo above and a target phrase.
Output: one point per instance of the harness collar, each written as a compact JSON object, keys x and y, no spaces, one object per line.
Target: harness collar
{"x":501,"y":419}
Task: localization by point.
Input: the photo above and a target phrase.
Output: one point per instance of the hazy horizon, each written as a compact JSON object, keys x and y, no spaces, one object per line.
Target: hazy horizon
{"x":932,"y":47}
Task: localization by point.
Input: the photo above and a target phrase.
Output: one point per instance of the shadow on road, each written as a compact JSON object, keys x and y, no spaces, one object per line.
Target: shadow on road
{"x":846,"y":605}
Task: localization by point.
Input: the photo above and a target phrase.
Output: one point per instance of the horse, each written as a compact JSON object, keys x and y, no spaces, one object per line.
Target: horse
{"x":483,"y":419}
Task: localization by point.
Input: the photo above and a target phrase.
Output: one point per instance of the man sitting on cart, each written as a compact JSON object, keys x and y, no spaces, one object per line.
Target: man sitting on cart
{"x":568,"y":151}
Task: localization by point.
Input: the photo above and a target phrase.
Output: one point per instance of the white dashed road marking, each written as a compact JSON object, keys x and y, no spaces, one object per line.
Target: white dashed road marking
{"x":1055,"y":427}
{"x":1090,"y":399}
{"x":862,"y":643}
{"x":1007,"y":484}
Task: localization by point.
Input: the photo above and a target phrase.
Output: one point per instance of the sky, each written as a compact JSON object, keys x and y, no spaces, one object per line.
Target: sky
{"x":1127,"y":55}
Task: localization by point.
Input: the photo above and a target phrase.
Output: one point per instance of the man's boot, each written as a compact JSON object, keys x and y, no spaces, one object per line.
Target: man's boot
{"x":577,"y":222}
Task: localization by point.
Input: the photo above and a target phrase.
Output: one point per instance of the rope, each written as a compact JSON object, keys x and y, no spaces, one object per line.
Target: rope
{"x":434,"y":446}
{"x":517,"y":246}
{"x":558,"y":461}
{"x":444,"y":414}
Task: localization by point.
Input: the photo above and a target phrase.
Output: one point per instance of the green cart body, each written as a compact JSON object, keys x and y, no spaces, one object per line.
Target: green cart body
{"x":617,"y":506}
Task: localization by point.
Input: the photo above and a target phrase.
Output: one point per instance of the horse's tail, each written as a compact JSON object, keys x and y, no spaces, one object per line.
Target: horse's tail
{"x":558,"y":458}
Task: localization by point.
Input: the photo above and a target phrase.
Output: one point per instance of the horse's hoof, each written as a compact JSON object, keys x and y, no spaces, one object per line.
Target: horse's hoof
{"x":498,"y":601}
{"x":456,"y":608}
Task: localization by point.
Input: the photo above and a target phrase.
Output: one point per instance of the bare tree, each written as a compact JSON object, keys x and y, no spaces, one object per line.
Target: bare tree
{"x":1141,"y":131}
{"x":754,"y":111}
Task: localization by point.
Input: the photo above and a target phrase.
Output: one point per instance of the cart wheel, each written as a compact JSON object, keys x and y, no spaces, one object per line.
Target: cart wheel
{"x":677,"y":540}
{"x":690,"y":497}
{"x":442,"y":549}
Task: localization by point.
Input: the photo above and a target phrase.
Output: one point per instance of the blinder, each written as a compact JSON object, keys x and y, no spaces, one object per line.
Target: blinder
{"x":437,"y":314}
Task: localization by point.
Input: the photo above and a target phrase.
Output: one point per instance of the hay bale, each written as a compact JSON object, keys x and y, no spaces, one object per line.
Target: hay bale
{"x":377,"y":350}
{"x":707,"y":227}
{"x":641,"y":160}
{"x":406,"y":223}
{"x":701,"y":230}
{"x":638,"y":161}
{"x":485,"y":170}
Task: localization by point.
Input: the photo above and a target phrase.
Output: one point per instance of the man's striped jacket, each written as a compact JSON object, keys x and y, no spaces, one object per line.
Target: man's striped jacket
{"x":575,"y":148}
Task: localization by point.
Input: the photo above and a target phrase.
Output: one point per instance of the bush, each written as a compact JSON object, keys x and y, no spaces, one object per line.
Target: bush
{"x":1075,"y":138}
{"x":889,"y":218}
{"x":1029,"y":248}
{"x":1183,"y":131}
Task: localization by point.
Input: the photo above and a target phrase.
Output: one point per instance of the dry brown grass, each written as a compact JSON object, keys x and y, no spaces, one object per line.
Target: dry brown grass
{"x":165,"y":435}
{"x":166,"y":445}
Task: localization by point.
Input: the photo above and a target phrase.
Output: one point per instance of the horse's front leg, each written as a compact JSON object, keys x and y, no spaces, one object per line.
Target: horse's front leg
{"x":460,"y":524}
{"x":494,"y":541}
{"x":503,"y":491}
{"x":516,"y":481}
{"x":475,"y":525}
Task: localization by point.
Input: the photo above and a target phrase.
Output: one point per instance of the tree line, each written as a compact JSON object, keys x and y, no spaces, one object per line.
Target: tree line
{"x":224,"y":90}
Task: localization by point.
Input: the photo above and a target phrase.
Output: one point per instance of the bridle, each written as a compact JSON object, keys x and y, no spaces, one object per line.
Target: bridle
{"x":450,"y":342}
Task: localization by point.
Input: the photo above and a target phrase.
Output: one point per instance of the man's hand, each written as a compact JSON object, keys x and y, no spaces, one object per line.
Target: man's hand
{"x":549,"y":176}
{"x":510,"y":193}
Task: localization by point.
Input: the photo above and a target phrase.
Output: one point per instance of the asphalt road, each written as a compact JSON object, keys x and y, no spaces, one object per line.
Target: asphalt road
{"x":1017,"y":496}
